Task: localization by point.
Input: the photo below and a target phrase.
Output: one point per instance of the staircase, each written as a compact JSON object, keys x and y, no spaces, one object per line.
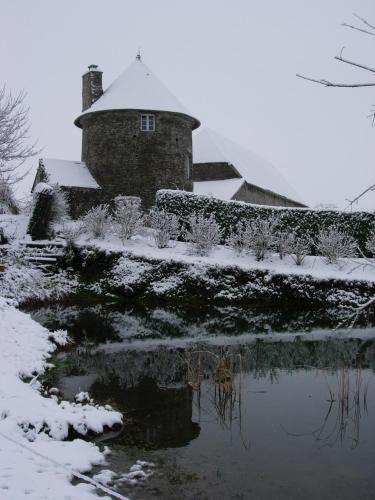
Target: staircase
{"x":43,"y":254}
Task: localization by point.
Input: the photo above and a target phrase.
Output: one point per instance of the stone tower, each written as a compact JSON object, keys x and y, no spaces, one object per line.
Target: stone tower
{"x":136,"y":136}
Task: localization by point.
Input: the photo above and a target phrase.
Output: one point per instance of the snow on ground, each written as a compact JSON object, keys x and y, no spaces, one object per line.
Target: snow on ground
{"x":14,"y":226}
{"x":223,"y":256}
{"x":32,"y":426}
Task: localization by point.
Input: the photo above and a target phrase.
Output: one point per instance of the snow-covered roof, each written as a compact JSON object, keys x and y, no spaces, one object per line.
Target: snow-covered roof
{"x":138,"y":88}
{"x":209,"y":146}
{"x":68,"y":173}
{"x":224,"y":189}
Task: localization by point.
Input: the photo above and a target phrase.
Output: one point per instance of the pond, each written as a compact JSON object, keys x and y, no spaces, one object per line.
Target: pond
{"x":227,"y":403}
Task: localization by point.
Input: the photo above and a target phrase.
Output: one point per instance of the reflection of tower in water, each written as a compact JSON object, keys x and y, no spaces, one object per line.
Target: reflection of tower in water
{"x":155,"y":417}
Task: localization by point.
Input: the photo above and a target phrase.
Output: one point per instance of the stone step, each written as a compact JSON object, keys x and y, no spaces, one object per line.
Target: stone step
{"x":42,"y":260}
{"x":44,"y":244}
{"x":42,"y":255}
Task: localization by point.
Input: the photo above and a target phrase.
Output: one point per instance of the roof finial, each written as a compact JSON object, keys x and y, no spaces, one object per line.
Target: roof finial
{"x":138,"y":56}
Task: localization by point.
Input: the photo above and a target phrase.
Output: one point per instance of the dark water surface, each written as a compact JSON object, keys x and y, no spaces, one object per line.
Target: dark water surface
{"x":228,"y":403}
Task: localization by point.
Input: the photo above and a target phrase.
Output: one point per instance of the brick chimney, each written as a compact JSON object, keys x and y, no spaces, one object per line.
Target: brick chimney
{"x":92,"y":87}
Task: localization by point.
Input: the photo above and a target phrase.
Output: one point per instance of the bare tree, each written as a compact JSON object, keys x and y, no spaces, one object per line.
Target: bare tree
{"x":368,"y":29}
{"x":15,"y":147}
{"x":329,"y":83}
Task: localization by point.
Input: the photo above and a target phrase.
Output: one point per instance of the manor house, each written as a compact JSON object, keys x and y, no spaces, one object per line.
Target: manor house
{"x":138,"y":138}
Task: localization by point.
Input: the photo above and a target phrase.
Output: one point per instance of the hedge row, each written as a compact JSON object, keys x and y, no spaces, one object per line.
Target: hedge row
{"x":304,"y":221}
{"x":40,"y":221}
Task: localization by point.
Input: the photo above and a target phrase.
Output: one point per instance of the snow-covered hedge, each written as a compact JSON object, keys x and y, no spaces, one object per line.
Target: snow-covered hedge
{"x":303,"y":221}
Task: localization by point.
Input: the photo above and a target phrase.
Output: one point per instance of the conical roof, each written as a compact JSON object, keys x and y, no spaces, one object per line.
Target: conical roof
{"x":138,"y":88}
{"x":209,"y":146}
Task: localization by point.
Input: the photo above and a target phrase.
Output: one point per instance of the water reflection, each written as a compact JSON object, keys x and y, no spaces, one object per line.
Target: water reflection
{"x":229,"y":403}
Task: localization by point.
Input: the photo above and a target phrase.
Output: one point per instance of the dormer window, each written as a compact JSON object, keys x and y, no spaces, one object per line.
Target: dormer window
{"x":148,"y":123}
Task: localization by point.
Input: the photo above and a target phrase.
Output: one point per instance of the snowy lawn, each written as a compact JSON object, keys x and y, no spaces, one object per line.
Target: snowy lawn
{"x":35,"y":462}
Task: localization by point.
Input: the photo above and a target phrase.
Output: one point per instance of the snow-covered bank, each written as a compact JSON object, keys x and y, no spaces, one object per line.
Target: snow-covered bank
{"x":31,"y":423}
{"x":223,"y":256}
{"x":138,"y":269}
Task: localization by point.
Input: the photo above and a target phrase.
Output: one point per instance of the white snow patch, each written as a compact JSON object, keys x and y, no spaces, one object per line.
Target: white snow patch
{"x":68,"y":173}
{"x":31,"y":423}
{"x":15,"y":226}
{"x":209,"y":146}
{"x":131,"y":272}
{"x":138,"y":88}
{"x":224,"y":189}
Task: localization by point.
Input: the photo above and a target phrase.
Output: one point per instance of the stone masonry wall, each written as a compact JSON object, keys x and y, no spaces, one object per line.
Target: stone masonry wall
{"x":80,"y":200}
{"x":125,"y":160}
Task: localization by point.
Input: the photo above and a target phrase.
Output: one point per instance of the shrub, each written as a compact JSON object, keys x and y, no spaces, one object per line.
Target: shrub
{"x":304,"y":222}
{"x":299,"y":249}
{"x":59,"y":207}
{"x":41,"y":217}
{"x":240,"y":237}
{"x":165,"y":227}
{"x":128,"y":216}
{"x":96,"y":221}
{"x":71,"y":232}
{"x":262,"y":237}
{"x":334,"y":244}
{"x":283,"y":243}
{"x":370,"y":245}
{"x":203,"y":233}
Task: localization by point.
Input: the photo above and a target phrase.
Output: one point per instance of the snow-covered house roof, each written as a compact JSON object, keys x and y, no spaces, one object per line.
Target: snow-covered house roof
{"x":209,"y":146}
{"x":67,"y":173}
{"x":138,"y":88}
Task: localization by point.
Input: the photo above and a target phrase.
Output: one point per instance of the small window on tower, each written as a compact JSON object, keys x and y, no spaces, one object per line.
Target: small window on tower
{"x":148,"y":123}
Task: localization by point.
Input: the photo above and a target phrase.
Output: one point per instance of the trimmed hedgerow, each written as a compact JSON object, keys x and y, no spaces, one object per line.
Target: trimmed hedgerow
{"x":41,"y":217}
{"x":304,"y":222}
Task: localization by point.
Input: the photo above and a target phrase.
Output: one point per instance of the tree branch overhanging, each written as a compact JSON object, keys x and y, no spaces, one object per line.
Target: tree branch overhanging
{"x":351,"y":26}
{"x":327,"y":83}
{"x":364,"y":21}
{"x":353,"y":63}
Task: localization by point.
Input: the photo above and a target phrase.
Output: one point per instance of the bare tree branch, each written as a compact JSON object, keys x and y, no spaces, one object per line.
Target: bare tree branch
{"x":351,"y":202}
{"x":327,"y":83}
{"x":367,"y":68}
{"x":364,"y":21}
{"x":358,"y":29}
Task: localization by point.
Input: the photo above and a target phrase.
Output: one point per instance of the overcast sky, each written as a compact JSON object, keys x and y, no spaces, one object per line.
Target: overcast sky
{"x":231,"y":63}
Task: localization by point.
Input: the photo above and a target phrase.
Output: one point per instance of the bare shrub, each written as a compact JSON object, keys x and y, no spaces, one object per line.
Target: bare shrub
{"x":240,"y":237}
{"x":334,"y":244}
{"x":8,"y":203}
{"x":71,"y":232}
{"x":96,"y":221}
{"x":299,"y":249}
{"x":283,"y":243}
{"x":165,"y":227}
{"x":370,"y":245}
{"x":128,"y":216}
{"x":263,"y":237}
{"x":204,"y":233}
